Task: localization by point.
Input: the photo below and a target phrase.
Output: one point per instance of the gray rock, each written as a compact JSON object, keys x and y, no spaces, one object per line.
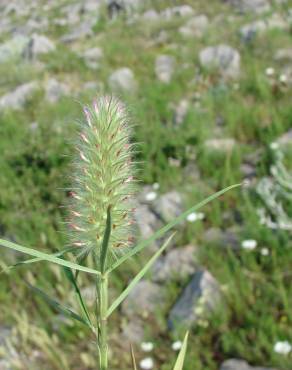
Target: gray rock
{"x":79,"y":32}
{"x":38,"y":44}
{"x":132,"y":331}
{"x":143,"y":300}
{"x":195,"y":26}
{"x":151,"y":15}
{"x":177,"y":264}
{"x":13,"y":48}
{"x":250,"y":6}
{"x":164,"y":68}
{"x":147,"y":221}
{"x":200,"y":297}
{"x":169,"y":205}
{"x":55,"y":90}
{"x":92,"y":57}
{"x":19,"y":97}
{"x":181,"y":111}
{"x":285,"y":139}
{"x":222,"y":57}
{"x":122,"y":80}
{"x":224,"y":145}
{"x":250,"y":30}
{"x":248,"y":170}
{"x":178,"y":11}
{"x":235,"y":364}
{"x":283,"y":55}
{"x":224,"y":239}
{"x":277,"y":21}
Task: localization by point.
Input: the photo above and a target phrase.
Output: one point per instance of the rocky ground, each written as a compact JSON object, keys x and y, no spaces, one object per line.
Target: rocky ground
{"x":209,"y":86}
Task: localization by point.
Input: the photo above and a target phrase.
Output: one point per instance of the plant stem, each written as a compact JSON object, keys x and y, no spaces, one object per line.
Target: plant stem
{"x":103,"y":306}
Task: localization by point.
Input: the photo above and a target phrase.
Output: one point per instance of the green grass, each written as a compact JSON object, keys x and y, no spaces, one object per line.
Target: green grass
{"x":35,"y":168}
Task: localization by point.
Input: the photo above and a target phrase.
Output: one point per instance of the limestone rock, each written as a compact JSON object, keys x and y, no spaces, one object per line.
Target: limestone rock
{"x":164,"y":68}
{"x":122,"y":80}
{"x":222,"y":57}
{"x":200,"y":297}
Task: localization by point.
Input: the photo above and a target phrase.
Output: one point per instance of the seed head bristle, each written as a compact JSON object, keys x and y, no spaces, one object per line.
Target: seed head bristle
{"x":103,"y":177}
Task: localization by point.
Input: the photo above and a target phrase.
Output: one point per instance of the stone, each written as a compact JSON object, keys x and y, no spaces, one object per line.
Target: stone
{"x":236,"y":364}
{"x":250,"y":30}
{"x":199,"y":298}
{"x":248,"y":170}
{"x":250,"y":6}
{"x":224,"y":239}
{"x":38,"y":45}
{"x":143,"y":300}
{"x":177,"y":264}
{"x":181,"y":111}
{"x":277,"y":21}
{"x":168,"y":206}
{"x":150,"y":15}
{"x":164,"y":68}
{"x":18,"y":97}
{"x":285,"y":139}
{"x":92,"y":57}
{"x":147,"y":221}
{"x":222,"y":57}
{"x":224,"y":145}
{"x":283,"y":55}
{"x":195,"y":26}
{"x":79,"y":32}
{"x":132,"y":331}
{"x":122,"y":80}
{"x":178,"y":11}
{"x":13,"y":48}
{"x":55,"y":90}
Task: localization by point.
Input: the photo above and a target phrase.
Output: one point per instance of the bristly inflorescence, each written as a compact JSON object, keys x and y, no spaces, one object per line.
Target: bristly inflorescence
{"x":103,"y":178}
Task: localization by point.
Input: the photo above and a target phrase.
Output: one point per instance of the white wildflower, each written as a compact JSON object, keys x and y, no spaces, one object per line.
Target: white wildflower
{"x":156,"y":186}
{"x":283,"y":78}
{"x":270,"y":71}
{"x":147,"y":346}
{"x":249,"y":244}
{"x":195,"y":216}
{"x":151,"y":196}
{"x":147,"y":363}
{"x":265,"y":252}
{"x":176,"y":346}
{"x":274,"y":146}
{"x":283,"y":348}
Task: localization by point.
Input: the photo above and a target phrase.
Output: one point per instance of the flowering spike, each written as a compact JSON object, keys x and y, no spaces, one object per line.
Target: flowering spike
{"x":103,"y":177}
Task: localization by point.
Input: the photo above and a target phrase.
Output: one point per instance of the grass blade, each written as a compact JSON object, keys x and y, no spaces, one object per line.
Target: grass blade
{"x":159,"y":233}
{"x":70,"y":276}
{"x":62,"y":309}
{"x":38,"y":259}
{"x":138,"y":277}
{"x":46,"y":257}
{"x":182,"y":353}
{"x":105,"y":241}
{"x":133,"y":358}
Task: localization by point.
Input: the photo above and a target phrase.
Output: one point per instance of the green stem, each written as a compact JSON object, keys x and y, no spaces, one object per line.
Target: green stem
{"x":102,"y":338}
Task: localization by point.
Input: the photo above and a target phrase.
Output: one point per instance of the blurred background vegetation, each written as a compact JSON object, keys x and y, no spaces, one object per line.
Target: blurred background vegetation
{"x":208,"y":86}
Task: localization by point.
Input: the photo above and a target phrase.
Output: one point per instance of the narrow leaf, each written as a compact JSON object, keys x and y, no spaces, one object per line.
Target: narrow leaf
{"x":133,"y":358}
{"x":105,"y":241}
{"x":38,"y":259}
{"x":159,"y":233}
{"x":182,"y":353}
{"x":70,"y":276}
{"x":46,"y":257}
{"x":138,"y":277}
{"x":62,"y":309}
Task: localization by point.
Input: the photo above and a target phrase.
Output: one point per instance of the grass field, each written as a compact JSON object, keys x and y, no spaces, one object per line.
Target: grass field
{"x":37,"y":144}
